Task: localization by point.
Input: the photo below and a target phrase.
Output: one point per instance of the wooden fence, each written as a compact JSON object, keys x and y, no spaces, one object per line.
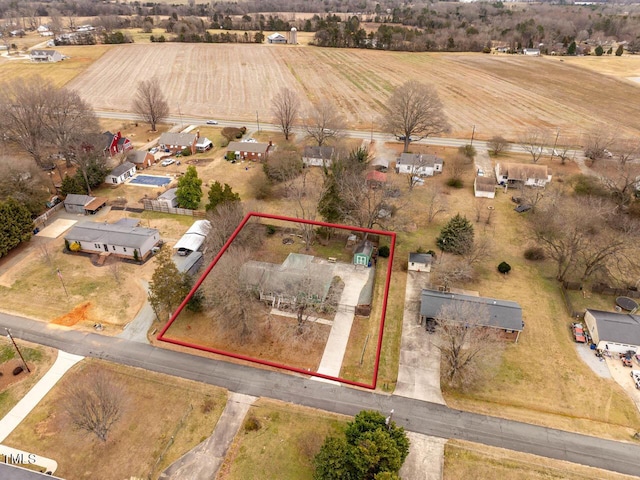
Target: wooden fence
{"x":42,"y":219}
{"x":156,"y":206}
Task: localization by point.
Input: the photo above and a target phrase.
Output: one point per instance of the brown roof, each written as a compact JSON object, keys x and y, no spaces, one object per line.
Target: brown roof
{"x":485,"y":184}
{"x":376,"y":176}
{"x":523,"y":171}
{"x":96,"y":203}
{"x":249,"y":147}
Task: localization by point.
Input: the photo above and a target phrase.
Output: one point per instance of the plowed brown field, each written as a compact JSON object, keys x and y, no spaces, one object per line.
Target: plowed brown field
{"x":499,"y":94}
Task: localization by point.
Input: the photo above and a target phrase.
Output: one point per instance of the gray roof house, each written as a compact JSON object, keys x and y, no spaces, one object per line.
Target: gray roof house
{"x":45,"y":56}
{"x":420,"y":262}
{"x":616,"y":332}
{"x":169,"y":198}
{"x":314,"y":156}
{"x":83,"y":204}
{"x":421,"y":164}
{"x":176,"y":142}
{"x":123,"y":238}
{"x":121,"y":173}
{"x":503,"y":314}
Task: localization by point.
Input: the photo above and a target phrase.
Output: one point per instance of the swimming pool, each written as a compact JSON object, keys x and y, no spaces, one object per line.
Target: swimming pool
{"x":150,"y":180}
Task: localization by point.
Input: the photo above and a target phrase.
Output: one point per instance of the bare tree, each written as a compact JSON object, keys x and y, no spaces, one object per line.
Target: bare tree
{"x":150,"y":103}
{"x":414,"y":108}
{"x":284,"y":167}
{"x":626,"y":150}
{"x":533,"y":142}
{"x":496,"y":145}
{"x":467,"y":344}
{"x":451,"y":270}
{"x":224,"y":220}
{"x":435,"y":201}
{"x":95,"y":404}
{"x":324,"y":123}
{"x":596,"y":144}
{"x":481,"y":249}
{"x":563,"y":152}
{"x":621,"y":183}
{"x":306,"y":196}
{"x":285,"y":107}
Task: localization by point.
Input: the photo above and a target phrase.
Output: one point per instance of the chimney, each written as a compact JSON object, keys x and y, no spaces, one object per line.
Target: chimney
{"x":197,"y":134}
{"x":270,"y":143}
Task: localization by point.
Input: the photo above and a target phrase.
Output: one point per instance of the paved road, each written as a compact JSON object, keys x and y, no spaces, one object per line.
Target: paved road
{"x":415,"y":415}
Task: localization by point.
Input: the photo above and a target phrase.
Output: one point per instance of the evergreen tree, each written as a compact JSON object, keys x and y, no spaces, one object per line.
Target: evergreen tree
{"x":456,"y":236}
{"x":189,"y":191}
{"x":219,"y":195}
{"x":72,"y":185}
{"x":330,"y":204}
{"x":599,"y":51}
{"x":168,"y":286}
{"x":16,"y":225}
{"x":572,"y":48}
{"x":619,"y":50}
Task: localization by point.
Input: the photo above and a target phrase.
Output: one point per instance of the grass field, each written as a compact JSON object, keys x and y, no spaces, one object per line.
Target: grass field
{"x":499,"y":94}
{"x":163,"y":418}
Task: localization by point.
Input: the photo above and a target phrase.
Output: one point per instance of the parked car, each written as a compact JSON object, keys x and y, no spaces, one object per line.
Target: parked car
{"x":578,"y":332}
{"x":626,"y":358}
{"x":212,"y":122}
{"x":480,"y":172}
{"x":635,"y":374}
{"x":53,"y":202}
{"x":153,"y":150}
{"x":525,"y":207}
{"x":167,"y":162}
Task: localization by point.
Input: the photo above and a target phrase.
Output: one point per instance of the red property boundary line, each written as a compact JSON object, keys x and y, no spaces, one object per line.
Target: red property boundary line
{"x":161,"y":336}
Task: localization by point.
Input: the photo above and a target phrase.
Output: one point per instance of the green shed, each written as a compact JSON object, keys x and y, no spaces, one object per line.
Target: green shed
{"x":362,"y":253}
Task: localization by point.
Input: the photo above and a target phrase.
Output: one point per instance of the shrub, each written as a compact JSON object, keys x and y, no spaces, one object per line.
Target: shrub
{"x":383,"y":251}
{"x":208,"y":405}
{"x":534,"y":253}
{"x":504,"y":267}
{"x":186,"y":151}
{"x":455,"y":182}
{"x":251,"y":424}
{"x":136,"y":255}
{"x":75,"y":247}
{"x":468,"y":151}
{"x":261,"y":187}
{"x":17,"y":371}
{"x":270,"y":229}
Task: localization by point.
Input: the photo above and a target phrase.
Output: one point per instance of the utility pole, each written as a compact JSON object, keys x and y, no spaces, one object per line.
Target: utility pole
{"x":258,"y":121}
{"x":62,"y":282}
{"x":473,"y":132}
{"x":17,"y":349}
{"x":555,"y":143}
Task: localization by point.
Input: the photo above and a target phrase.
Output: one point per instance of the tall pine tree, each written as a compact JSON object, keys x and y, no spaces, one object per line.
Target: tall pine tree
{"x":16,"y":225}
{"x":189,"y":191}
{"x":456,"y":236}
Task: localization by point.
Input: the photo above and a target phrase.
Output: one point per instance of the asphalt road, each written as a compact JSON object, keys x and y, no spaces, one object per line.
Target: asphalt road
{"x":417,"y":416}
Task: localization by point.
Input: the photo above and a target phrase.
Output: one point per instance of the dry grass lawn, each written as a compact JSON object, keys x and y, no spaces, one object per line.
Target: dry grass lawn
{"x":156,"y":408}
{"x":283,"y":447}
{"x":137,"y":132}
{"x":480,"y":462}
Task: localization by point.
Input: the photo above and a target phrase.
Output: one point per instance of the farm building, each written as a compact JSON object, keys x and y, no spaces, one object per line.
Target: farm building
{"x":532,"y":52}
{"x":293,"y":36}
{"x":362,"y":253}
{"x":121,"y":173}
{"x":420,"y":164}
{"x":314,"y":156}
{"x":123,"y":238}
{"x":249,"y":150}
{"x":375,"y":179}
{"x":169,"y":198}
{"x":276,"y":38}
{"x":45,"y":56}
{"x":194,"y":238}
{"x":115,"y":143}
{"x":616,"y":332}
{"x":176,"y":142}
{"x":484,"y":187}
{"x":420,"y":262}
{"x":514,"y":174}
{"x":83,"y":204}
{"x":299,"y":276}
{"x":141,"y":158}
{"x":503,"y":314}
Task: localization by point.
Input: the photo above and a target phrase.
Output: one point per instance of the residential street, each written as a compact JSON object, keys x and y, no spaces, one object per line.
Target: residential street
{"x":416,"y":416}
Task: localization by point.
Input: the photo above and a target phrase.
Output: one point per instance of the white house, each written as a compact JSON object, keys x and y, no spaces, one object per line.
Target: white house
{"x":45,"y":56}
{"x":484,"y":187}
{"x":514,"y":174}
{"x":314,"y":156}
{"x":420,"y":164}
{"x":616,"y":332}
{"x":121,"y":173}
{"x":276,"y":38}
{"x":123,"y":238}
{"x":203,"y":144}
{"x":420,"y":262}
{"x":535,"y":52}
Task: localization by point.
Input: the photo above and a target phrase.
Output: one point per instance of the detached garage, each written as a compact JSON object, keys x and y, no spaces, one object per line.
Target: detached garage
{"x":616,"y":332}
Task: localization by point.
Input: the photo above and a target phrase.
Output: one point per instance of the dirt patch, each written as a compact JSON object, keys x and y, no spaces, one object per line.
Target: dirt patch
{"x":78,"y":314}
{"x":7,"y":377}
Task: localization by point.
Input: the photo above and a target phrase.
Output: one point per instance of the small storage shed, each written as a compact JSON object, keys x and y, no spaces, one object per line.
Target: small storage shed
{"x":420,"y":262}
{"x":362,"y":253}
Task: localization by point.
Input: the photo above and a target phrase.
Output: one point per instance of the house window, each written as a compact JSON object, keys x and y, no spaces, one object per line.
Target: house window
{"x":124,"y":248}
{"x":113,"y":247}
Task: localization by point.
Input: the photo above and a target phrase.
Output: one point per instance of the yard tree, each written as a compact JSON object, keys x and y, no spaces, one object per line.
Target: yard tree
{"x":72,"y":185}
{"x":224,"y":219}
{"x":436,"y":203}
{"x":373,"y":447}
{"x":90,"y":162}
{"x":496,"y":145}
{"x":285,"y":107}
{"x":467,"y":348}
{"x":619,"y":50}
{"x":283,"y":167}
{"x":330,"y":204}
{"x":189,"y":192}
{"x":533,"y":142}
{"x":167,"y":287}
{"x":219,"y":195}
{"x":25,"y":183}
{"x":450,"y":271}
{"x":150,"y":103}
{"x":456,"y":236}
{"x":597,"y":142}
{"x":94,"y":404}
{"x":324,"y":122}
{"x":415,"y":109}
{"x":16,"y":225}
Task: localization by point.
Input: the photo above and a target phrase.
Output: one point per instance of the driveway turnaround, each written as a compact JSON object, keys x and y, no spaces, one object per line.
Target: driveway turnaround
{"x":415,"y":415}
{"x":426,"y":458}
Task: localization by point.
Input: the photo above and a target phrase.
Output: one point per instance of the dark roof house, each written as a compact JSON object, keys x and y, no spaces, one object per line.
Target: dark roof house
{"x":617,"y":332}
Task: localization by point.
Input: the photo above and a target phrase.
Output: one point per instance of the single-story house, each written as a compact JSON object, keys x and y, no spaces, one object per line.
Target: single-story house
{"x":115,"y":143}
{"x":203,"y":144}
{"x":616,"y":332}
{"x":121,"y":173}
{"x":314,"y":156}
{"x":123,"y":238}
{"x":484,"y":187}
{"x":141,"y":158}
{"x":514,"y":174}
{"x":421,"y":164}
{"x":193,"y":239}
{"x":45,"y":56}
{"x":83,"y":204}
{"x":42,"y":29}
{"x":176,"y":142}
{"x":375,"y":178}
{"x":503,"y":314}
{"x":362,"y":253}
{"x":535,"y":52}
{"x":276,"y":38}
{"x":169,"y":198}
{"x":380,"y":164}
{"x":249,"y":150}
{"x":420,"y":262}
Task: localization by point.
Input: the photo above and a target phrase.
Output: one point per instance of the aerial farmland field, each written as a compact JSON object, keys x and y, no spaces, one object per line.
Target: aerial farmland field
{"x":499,"y":94}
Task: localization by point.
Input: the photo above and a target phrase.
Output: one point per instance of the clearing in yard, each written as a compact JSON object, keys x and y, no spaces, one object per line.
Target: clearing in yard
{"x":281,"y":301}
{"x":162,"y":418}
{"x":501,"y":95}
{"x":279,"y":440}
